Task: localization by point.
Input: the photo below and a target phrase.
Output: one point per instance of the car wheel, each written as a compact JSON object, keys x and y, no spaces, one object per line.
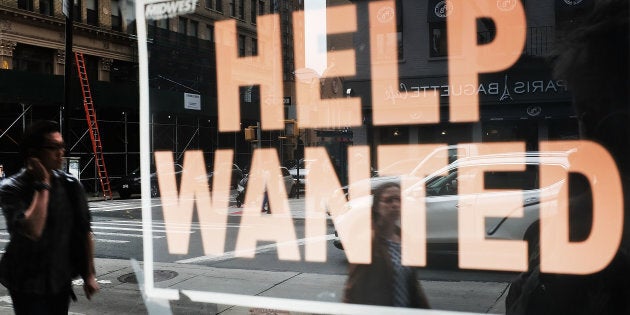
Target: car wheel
{"x":124,"y":194}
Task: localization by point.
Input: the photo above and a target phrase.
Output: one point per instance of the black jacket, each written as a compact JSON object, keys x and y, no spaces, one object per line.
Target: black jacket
{"x":373,"y":284}
{"x":49,"y":264}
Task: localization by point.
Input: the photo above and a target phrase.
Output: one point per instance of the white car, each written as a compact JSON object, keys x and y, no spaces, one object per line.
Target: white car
{"x":443,"y":201}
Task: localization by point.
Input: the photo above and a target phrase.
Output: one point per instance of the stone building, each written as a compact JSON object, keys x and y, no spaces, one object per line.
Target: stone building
{"x":182,"y":60}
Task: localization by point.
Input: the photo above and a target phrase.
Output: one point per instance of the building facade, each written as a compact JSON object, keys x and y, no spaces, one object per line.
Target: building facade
{"x":182,"y":60}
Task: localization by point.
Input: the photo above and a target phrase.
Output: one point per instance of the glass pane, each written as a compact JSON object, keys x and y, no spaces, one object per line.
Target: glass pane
{"x":489,"y":156}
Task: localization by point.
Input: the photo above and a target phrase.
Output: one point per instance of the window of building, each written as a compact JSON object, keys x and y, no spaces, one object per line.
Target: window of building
{"x":76,"y":13}
{"x":25,"y":4}
{"x":116,"y":15}
{"x":46,"y":7}
{"x":437,"y":40}
{"x":232,"y":7}
{"x":208,"y":4}
{"x":33,"y":59}
{"x":163,"y":24}
{"x":123,"y":71}
{"x":210,"y":31}
{"x":91,"y":67}
{"x":194,"y":28}
{"x":182,"y":26}
{"x":399,"y":29}
{"x":92,"y":12}
{"x":254,"y":46}
{"x":131,"y":28}
{"x":241,"y":9}
{"x":218,"y":5}
{"x":253,"y":11}
{"x":387,"y":44}
{"x":261,"y":7}
{"x":241,"y":45}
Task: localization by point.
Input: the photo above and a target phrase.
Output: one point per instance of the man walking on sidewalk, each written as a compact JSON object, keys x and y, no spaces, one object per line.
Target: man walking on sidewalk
{"x":48,"y":219}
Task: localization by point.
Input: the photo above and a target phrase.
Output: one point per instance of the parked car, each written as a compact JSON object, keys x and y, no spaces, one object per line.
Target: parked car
{"x":443,"y":201}
{"x":290,"y":185}
{"x":130,"y":184}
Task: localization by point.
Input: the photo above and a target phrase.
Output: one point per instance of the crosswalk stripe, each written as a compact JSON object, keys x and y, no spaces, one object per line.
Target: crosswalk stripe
{"x":126,"y":235}
{"x":138,"y":230}
{"x":111,"y":241}
{"x":162,"y":224}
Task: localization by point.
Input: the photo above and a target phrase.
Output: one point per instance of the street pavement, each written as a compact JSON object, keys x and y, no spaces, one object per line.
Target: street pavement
{"x":121,"y":294}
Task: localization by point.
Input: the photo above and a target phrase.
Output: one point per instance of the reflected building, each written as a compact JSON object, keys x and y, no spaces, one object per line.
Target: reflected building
{"x":182,"y":60}
{"x":524,"y":102}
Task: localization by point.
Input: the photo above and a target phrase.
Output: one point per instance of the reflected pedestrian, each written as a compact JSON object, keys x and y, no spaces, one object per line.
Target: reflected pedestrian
{"x":385,"y":281}
{"x":49,"y":223}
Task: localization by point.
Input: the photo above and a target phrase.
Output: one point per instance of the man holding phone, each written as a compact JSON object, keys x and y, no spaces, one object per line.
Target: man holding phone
{"x":48,"y":219}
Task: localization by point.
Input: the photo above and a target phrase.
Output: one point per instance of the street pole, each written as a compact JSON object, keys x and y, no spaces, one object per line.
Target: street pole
{"x":297,"y":164}
{"x":68,"y":8}
{"x":126,"y":145}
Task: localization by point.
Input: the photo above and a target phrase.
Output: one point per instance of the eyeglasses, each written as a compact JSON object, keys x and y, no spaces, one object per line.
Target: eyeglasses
{"x":54,"y":146}
{"x":391,"y":199}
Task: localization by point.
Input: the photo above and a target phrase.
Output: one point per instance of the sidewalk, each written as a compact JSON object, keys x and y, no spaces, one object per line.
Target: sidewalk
{"x":118,"y":295}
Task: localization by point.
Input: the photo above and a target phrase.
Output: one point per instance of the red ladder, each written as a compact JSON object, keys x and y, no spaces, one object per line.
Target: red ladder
{"x":90,"y":115}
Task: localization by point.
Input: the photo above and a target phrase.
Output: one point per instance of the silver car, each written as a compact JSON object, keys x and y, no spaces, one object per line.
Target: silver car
{"x":443,"y":201}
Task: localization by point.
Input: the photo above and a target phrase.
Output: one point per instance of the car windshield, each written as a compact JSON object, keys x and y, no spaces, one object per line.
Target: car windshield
{"x":438,"y":182}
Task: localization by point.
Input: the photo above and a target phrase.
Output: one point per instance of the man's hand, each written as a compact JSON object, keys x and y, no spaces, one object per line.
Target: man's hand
{"x":90,"y":286}
{"x":37,"y":170}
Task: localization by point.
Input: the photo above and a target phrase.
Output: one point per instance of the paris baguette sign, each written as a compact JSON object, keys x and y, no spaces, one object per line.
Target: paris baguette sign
{"x":181,"y":198}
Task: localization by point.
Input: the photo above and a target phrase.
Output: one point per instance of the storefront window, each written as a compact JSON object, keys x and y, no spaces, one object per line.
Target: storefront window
{"x":408,"y":169}
{"x":334,"y":156}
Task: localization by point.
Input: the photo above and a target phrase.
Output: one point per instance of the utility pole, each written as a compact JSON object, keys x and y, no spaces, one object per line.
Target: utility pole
{"x":68,"y":8}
